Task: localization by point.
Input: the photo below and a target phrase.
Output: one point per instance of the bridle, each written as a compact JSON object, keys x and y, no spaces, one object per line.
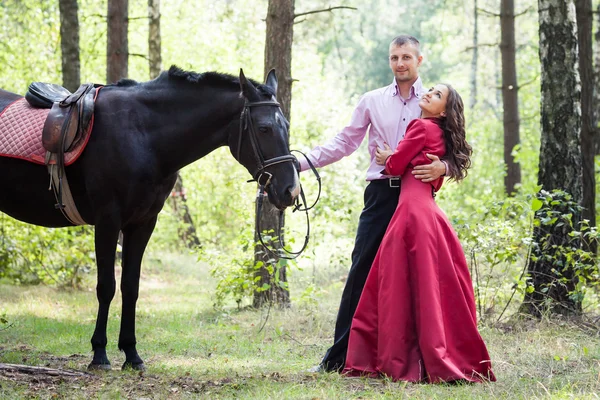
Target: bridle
{"x":263,"y":178}
{"x":246,"y":124}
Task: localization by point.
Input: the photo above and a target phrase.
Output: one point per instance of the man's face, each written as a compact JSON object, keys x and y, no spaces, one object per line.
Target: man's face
{"x":405,"y":62}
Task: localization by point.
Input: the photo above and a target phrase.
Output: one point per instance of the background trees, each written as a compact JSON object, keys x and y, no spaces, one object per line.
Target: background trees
{"x":336,"y":56}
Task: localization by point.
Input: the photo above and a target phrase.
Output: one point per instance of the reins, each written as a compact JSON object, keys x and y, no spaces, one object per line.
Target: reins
{"x":282,"y":252}
{"x":263,"y":178}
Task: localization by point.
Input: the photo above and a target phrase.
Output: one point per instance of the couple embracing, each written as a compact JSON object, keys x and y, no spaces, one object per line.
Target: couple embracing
{"x":408,"y":310}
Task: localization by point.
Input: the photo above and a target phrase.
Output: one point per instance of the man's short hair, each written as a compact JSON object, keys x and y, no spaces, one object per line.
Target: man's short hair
{"x":401,"y":40}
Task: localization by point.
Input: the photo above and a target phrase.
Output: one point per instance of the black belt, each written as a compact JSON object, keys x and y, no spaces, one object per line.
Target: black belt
{"x":390,"y":182}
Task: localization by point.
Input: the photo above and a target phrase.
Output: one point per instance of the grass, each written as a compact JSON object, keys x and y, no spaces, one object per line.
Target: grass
{"x":194,"y":351}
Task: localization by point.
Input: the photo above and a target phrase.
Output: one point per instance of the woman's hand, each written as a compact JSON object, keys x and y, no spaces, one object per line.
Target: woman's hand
{"x":382,"y":155}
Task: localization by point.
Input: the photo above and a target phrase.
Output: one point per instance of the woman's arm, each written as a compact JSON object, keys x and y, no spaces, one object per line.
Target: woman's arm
{"x":407,"y":149}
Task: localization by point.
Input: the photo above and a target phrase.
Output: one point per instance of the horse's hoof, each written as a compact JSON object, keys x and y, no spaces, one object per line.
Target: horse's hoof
{"x":134,"y":366}
{"x":99,"y":367}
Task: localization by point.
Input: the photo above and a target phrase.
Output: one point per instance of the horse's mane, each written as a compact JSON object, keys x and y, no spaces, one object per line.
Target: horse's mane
{"x":207,"y":78}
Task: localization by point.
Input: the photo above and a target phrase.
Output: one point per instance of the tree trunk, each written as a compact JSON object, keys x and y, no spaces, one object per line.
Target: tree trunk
{"x":560,"y":159}
{"x":154,"y":39}
{"x":187,"y":231}
{"x":586,"y":72}
{"x":69,"y":44}
{"x":273,"y":271}
{"x":117,"y":49}
{"x":278,"y":55}
{"x":510,"y":94}
{"x":278,"y":49}
{"x":475,"y":57}
{"x":596,"y":119}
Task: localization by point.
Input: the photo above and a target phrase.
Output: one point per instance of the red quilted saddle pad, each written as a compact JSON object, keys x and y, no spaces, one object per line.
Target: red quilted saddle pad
{"x":21,"y":134}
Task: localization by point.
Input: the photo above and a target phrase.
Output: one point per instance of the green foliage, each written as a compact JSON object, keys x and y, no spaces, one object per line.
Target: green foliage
{"x":336,"y":57}
{"x":496,"y":239}
{"x":32,"y":254}
{"x":565,"y":244}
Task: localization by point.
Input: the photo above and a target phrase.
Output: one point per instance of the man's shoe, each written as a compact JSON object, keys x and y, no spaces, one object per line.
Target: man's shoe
{"x":317,"y":369}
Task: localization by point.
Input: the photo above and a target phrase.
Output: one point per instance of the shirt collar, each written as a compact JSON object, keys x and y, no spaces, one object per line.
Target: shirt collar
{"x":415,"y":90}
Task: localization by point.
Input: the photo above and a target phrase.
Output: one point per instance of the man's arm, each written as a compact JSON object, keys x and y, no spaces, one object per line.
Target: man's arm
{"x":430,"y":172}
{"x":344,"y":143}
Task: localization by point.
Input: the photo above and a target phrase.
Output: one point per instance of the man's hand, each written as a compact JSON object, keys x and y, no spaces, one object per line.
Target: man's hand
{"x":382,"y":154}
{"x":430,"y":172}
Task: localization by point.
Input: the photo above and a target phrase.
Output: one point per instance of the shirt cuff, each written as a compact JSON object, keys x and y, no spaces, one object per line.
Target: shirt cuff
{"x":304,"y":164}
{"x":446,"y":164}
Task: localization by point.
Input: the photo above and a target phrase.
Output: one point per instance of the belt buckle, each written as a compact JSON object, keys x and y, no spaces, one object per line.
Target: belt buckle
{"x":394,"y":182}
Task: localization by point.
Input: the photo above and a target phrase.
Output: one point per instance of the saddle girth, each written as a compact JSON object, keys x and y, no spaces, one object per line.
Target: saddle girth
{"x":67,"y":123}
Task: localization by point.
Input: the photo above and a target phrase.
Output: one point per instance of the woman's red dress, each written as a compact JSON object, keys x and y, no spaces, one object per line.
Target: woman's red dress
{"x":416,"y":318}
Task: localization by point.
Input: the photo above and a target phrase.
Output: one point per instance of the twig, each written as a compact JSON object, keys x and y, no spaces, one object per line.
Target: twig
{"x":525,"y":11}
{"x":522,"y":272}
{"x":145,"y":57}
{"x":6,"y":327}
{"x":28,"y":369}
{"x":136,"y":18}
{"x":488,"y":13}
{"x":267,"y":318}
{"x":324,"y":10}
{"x":469,"y":48}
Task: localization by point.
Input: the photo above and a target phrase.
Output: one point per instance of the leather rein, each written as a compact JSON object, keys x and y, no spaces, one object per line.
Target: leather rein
{"x":263,"y":178}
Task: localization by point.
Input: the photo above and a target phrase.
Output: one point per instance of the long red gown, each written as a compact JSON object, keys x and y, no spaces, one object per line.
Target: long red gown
{"x":416,"y":318}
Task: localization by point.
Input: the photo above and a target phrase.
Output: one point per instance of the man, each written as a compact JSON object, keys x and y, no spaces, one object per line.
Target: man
{"x":385,"y":114}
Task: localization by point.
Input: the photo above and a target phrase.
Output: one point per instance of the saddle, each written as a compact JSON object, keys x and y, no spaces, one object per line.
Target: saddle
{"x":69,"y":117}
{"x":66,"y":125}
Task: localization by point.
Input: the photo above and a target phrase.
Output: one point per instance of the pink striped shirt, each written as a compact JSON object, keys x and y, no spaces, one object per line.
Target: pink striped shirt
{"x":384,"y":114}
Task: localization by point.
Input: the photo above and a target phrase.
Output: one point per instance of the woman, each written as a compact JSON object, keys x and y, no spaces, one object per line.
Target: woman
{"x":416,"y":318}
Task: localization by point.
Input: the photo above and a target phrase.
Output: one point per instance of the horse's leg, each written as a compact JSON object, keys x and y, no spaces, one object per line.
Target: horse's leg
{"x":106,"y":237}
{"x":135,"y":239}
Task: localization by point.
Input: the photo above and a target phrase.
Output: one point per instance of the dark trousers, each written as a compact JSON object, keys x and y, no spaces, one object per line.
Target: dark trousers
{"x":380,"y":203}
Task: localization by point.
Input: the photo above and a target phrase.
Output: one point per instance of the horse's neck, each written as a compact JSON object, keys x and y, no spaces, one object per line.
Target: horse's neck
{"x":190,"y":127}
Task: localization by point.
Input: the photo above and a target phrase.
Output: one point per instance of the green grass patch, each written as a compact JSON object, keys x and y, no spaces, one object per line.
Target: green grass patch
{"x":195,"y":351}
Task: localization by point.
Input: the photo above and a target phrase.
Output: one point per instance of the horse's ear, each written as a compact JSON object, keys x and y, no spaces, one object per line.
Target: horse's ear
{"x":247,"y":87}
{"x":271,"y":80}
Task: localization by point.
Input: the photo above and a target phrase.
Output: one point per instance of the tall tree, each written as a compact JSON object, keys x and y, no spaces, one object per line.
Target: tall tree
{"x":560,"y":167}
{"x":117,"y":49}
{"x":187,"y":229}
{"x":278,"y":55}
{"x":475,"y":56}
{"x":510,"y":94}
{"x":596,"y":120}
{"x":586,"y":72}
{"x":69,"y":44}
{"x":154,"y":38}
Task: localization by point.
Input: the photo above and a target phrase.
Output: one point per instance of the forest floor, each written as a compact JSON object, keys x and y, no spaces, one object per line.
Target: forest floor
{"x":193,"y":350}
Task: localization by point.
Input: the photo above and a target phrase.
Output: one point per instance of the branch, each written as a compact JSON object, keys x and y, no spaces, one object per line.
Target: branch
{"x":28,"y":369}
{"x":529,"y":82}
{"x":101,"y":16}
{"x":324,"y":10}
{"x":482,"y":45}
{"x":488,"y":13}
{"x":145,"y":57}
{"x":135,"y":18}
{"x":525,"y":11}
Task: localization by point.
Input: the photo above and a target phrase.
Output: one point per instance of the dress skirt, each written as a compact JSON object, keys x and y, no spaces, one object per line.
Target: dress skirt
{"x":416,"y":319}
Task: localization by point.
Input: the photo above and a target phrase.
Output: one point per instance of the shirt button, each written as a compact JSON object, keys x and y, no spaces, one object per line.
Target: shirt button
{"x":403,"y":119}
{"x":404,"y":103}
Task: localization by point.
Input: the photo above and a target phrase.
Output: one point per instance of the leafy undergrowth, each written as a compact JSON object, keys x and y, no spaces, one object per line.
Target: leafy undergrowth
{"x":195,"y":351}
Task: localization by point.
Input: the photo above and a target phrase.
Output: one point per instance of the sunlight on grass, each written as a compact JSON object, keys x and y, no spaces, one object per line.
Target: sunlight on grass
{"x":193,"y":350}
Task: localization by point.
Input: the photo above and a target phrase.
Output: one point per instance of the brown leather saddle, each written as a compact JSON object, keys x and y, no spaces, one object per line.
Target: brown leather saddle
{"x":69,"y":117}
{"x":66,"y":125}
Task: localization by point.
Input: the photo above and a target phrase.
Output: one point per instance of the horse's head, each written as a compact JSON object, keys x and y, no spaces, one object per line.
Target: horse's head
{"x":263,"y":142}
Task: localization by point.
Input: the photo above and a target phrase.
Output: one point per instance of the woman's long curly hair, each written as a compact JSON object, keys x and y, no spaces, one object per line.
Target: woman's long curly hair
{"x":458,"y":151}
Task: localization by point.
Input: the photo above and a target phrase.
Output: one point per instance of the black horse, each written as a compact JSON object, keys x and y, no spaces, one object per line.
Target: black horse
{"x":143,"y":133}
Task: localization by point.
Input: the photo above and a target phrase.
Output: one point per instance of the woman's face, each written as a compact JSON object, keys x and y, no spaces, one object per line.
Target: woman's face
{"x":433,"y":103}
